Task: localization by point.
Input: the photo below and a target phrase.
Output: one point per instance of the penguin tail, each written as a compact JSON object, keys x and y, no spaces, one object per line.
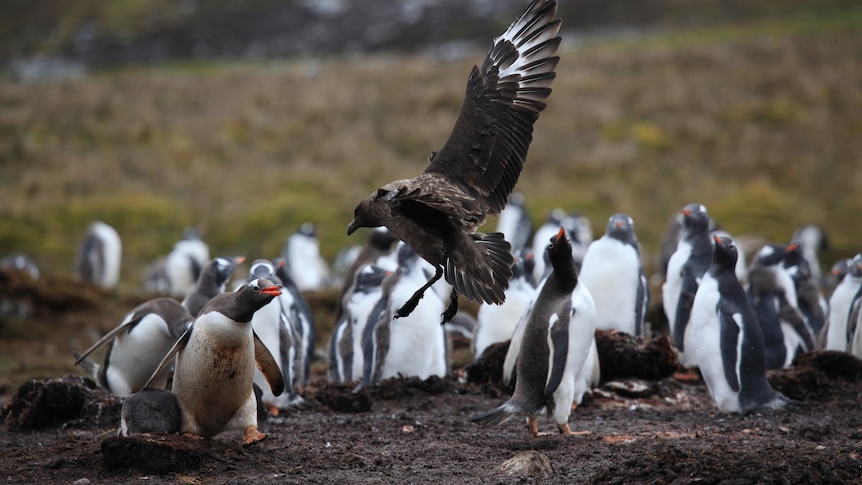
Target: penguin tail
{"x":497,"y":415}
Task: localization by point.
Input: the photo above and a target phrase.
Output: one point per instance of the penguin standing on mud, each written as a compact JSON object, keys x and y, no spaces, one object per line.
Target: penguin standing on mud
{"x":687,"y":265}
{"x":554,"y":347}
{"x":215,"y":363}
{"x":727,"y":340}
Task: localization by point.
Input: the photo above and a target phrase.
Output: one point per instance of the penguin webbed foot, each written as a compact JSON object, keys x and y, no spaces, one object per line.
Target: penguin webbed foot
{"x":452,"y":309}
{"x":252,"y":435}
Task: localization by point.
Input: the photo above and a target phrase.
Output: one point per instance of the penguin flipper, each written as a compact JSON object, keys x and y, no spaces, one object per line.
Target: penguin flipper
{"x":683,"y":309}
{"x":179,"y":344}
{"x":268,"y":366}
{"x":510,"y":364}
{"x":125,"y":324}
{"x":728,"y":344}
{"x":559,"y":351}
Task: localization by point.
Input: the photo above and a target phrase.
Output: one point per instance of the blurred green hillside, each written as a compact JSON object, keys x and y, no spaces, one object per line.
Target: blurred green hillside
{"x":760,"y":122}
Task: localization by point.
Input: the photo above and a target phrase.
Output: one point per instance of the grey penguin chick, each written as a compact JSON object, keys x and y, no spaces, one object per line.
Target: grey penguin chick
{"x":554,"y":346}
{"x":215,"y":362}
{"x":150,"y":411}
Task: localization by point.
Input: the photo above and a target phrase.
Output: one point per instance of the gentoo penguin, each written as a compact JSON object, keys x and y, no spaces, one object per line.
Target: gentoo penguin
{"x":300,"y":316}
{"x":380,"y":243}
{"x":841,"y":304}
{"x":304,"y":263}
{"x":177,"y":273}
{"x":773,"y":296}
{"x":211,"y":282}
{"x":514,"y":222}
{"x":273,"y":326}
{"x":837,"y":273}
{"x":613,"y":273}
{"x":20,"y":262}
{"x":686,"y":266}
{"x":727,"y":340}
{"x":471,"y":176}
{"x":150,"y":411}
{"x":413,"y":345}
{"x":580,"y":233}
{"x":346,"y":362}
{"x":555,"y":345}
{"x":137,"y":345}
{"x":98,"y":257}
{"x":809,"y":299}
{"x":585,"y":380}
{"x":215,"y":363}
{"x":496,"y":323}
{"x":812,"y":240}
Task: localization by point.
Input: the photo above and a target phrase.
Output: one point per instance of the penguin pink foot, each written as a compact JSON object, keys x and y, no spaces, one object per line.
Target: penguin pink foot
{"x":252,"y":435}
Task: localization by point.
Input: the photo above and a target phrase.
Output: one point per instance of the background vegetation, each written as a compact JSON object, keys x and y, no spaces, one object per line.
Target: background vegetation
{"x":760,"y":121}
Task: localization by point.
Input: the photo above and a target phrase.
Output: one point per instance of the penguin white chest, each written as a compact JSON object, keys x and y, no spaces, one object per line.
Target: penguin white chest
{"x":611,"y":272}
{"x":214,"y":375}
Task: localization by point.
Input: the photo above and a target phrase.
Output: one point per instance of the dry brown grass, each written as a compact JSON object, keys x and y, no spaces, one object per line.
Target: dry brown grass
{"x":764,"y":130}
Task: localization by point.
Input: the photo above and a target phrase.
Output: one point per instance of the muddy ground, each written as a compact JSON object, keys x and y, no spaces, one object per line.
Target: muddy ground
{"x":407,"y":431}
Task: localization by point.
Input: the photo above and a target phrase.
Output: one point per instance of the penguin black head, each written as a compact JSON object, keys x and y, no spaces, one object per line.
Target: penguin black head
{"x":224,"y":268}
{"x":369,"y":276}
{"x":249,"y":298}
{"x":560,"y":254}
{"x":406,"y":256}
{"x":307,"y":229}
{"x":262,"y":268}
{"x":773,"y":254}
{"x":621,"y":227}
{"x":695,"y":218}
{"x":725,"y":254}
{"x":382,"y":239}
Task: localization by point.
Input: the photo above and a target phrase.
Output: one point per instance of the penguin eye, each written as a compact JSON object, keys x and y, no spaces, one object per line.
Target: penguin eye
{"x":255,"y":287}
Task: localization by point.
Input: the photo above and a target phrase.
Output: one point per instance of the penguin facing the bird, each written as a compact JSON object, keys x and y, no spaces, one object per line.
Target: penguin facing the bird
{"x":554,"y":347}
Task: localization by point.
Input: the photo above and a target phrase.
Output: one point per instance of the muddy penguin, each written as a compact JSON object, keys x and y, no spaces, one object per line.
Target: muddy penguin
{"x":727,"y":340}
{"x":554,"y":346}
{"x":215,"y":363}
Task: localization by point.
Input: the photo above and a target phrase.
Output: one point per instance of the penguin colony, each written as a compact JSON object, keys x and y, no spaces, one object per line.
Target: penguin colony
{"x":547,"y":297}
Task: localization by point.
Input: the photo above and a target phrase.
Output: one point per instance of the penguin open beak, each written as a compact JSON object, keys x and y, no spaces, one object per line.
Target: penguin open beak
{"x":561,"y":234}
{"x":273,"y":290}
